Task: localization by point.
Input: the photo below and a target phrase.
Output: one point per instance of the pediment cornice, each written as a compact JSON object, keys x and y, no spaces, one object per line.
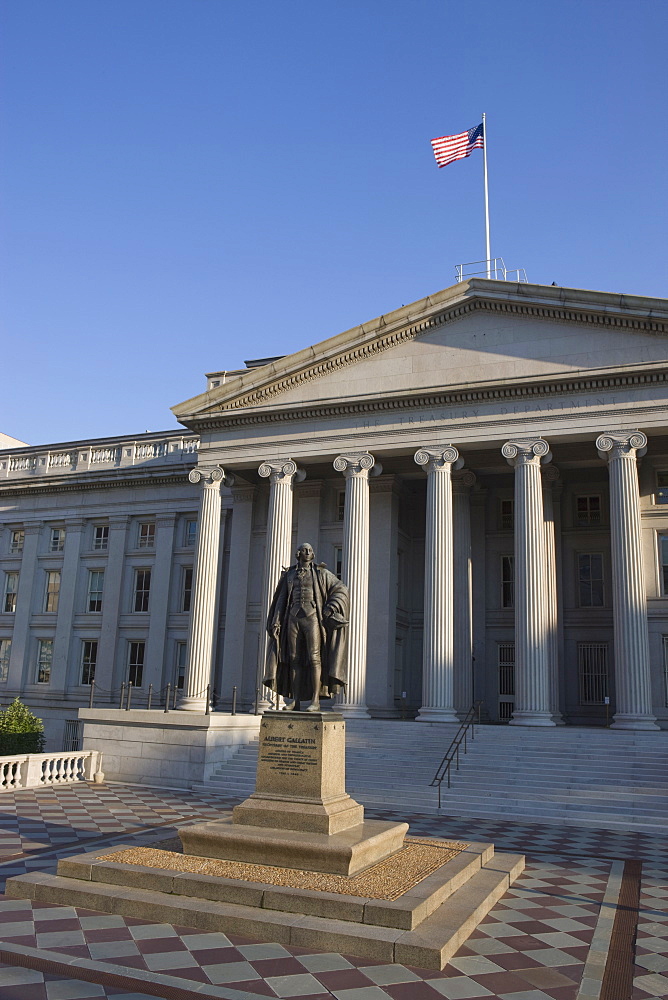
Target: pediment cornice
{"x":262,"y":386}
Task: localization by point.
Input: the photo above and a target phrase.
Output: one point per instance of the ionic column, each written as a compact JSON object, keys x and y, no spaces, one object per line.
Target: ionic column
{"x":281,"y":474}
{"x":532,"y":679}
{"x":235,"y":651}
{"x":203,"y":617}
{"x":462,"y":482}
{"x":550,"y":476}
{"x":161,"y":578}
{"x":355,"y":574}
{"x":21,"y":669}
{"x":438,"y":637}
{"x":632,"y":671}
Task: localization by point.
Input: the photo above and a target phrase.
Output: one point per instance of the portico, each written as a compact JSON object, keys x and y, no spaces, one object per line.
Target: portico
{"x":450,"y":461}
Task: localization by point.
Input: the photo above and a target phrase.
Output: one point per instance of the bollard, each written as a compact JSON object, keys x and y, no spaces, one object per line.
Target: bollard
{"x":234,"y":700}
{"x":257,"y":699}
{"x":92,"y":693}
{"x":150,"y":696}
{"x":176,"y":694}
{"x":207,"y":710}
{"x":127,"y":703}
{"x":122,"y":694}
{"x":169,"y":691}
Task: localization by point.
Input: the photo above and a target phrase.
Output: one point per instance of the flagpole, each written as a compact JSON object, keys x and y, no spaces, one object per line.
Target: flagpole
{"x":484,"y":151}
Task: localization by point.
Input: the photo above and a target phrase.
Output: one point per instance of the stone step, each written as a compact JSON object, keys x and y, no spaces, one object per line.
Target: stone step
{"x":429,"y":945}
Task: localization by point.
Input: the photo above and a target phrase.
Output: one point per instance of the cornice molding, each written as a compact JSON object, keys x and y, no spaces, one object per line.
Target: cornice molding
{"x":463,"y":395}
{"x":37,"y":488}
{"x":352,"y":354}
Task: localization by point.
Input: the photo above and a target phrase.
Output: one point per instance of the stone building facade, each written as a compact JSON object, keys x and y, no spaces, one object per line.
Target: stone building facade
{"x":486,"y":468}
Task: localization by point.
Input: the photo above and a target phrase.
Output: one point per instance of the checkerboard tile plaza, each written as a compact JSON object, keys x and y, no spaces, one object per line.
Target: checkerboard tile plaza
{"x":650,"y":977}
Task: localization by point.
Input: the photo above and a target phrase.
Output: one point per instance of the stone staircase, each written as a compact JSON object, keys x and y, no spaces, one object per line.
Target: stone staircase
{"x":589,"y":777}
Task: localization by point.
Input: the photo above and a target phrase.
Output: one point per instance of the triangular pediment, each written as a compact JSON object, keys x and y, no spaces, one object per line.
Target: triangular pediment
{"x":477,"y":332}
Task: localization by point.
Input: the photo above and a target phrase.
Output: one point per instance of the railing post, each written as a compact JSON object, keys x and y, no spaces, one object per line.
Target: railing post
{"x":92,"y":693}
{"x":150,"y":696}
{"x":129,"y":698}
{"x":234,"y":700}
{"x":207,"y":710}
{"x":122,"y":694}
{"x":257,"y":699}
{"x":176,"y":694}
{"x":169,"y":691}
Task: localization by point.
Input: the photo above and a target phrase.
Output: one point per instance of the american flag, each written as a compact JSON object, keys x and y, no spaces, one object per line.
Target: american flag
{"x":448,"y":148}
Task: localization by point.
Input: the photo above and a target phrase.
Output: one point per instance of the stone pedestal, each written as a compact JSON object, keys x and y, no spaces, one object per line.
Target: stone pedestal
{"x":299,"y":815}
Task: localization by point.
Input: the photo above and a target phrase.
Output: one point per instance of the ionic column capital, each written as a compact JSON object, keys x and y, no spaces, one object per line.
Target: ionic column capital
{"x":621,"y":444}
{"x":463,"y":481}
{"x":281,"y":470}
{"x":530,"y":451}
{"x":211,"y":476}
{"x":550,"y":475}
{"x":437,"y":459}
{"x":358,"y":464}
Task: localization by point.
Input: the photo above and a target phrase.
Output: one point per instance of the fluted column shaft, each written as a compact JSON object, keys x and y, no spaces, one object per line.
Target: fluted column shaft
{"x":201,"y":642}
{"x":632,"y":668}
{"x":355,"y":574}
{"x":462,"y":591}
{"x":532,"y":680}
{"x":278,"y":555}
{"x":550,"y":476}
{"x":438,"y":630}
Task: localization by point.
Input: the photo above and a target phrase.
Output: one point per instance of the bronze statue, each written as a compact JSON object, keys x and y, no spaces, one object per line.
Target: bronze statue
{"x":307,"y":626}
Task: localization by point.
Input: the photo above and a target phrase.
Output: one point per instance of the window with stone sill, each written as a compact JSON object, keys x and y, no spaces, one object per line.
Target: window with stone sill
{"x":190,"y":533}
{"x":52,"y":592}
{"x":88,"y":661}
{"x":57,"y":540}
{"x":136,"y":663}
{"x":661,"y":495}
{"x":186,"y":588}
{"x":16,"y":541}
{"x":11,"y":590}
{"x":590,"y":580}
{"x":593,"y":672}
{"x":44,"y":660}
{"x":507,"y":581}
{"x":95,"y":589}
{"x":506,"y":515}
{"x":142,"y":589}
{"x":588,"y":509}
{"x":100,"y":537}
{"x":663,"y":557}
{"x":5,"y":653}
{"x":180,"y":665}
{"x":340,"y":505}
{"x":146,"y":535}
{"x":338,"y":561}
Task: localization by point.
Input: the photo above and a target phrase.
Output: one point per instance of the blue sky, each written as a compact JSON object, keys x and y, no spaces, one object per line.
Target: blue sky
{"x":191,"y":183}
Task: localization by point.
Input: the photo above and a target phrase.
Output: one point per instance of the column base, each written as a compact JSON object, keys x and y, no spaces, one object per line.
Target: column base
{"x":353,"y":711}
{"x":191,"y":705}
{"x":557,"y":719}
{"x":625,"y":721}
{"x":532,"y":719}
{"x":437,"y":715}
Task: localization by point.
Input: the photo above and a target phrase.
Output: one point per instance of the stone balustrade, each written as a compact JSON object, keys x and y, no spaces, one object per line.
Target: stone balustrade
{"x":33,"y":770}
{"x":99,"y":456}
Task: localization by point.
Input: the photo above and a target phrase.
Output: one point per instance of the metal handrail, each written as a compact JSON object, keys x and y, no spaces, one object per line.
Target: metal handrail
{"x":452,"y":753}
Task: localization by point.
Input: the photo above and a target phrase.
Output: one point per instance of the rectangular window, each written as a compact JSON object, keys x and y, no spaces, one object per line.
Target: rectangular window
{"x":16,"y":540}
{"x":590,"y":579}
{"x":146,"y":535}
{"x":593,"y":672}
{"x":665,"y":668}
{"x":340,"y":505}
{"x":588,"y":509}
{"x":186,"y":588}
{"x":57,"y":542}
{"x":5,"y":653}
{"x":663,"y":551}
{"x":44,"y":659}
{"x":11,"y":590}
{"x":88,"y":660}
{"x":142,"y":590}
{"x":52,"y":591}
{"x":506,"y":515}
{"x":506,"y":660}
{"x":101,"y":537}
{"x":181,"y":648}
{"x":95,"y":588}
{"x":136,"y":663}
{"x":507,"y":581}
{"x":338,"y":561}
{"x":661,"y":495}
{"x":190,"y":533}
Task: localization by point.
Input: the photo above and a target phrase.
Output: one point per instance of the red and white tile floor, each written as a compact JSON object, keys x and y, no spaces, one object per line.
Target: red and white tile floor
{"x":534,"y":944}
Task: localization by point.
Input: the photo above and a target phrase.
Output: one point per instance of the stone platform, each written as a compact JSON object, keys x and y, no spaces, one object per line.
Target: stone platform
{"x":422,"y":926}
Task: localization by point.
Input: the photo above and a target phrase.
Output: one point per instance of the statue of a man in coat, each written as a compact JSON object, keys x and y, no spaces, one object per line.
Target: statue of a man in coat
{"x":307,"y":626}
